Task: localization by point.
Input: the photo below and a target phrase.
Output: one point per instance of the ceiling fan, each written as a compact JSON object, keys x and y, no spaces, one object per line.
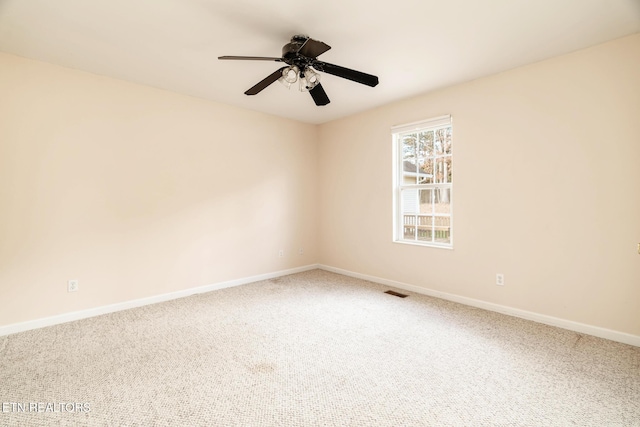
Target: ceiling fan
{"x":300,"y":55}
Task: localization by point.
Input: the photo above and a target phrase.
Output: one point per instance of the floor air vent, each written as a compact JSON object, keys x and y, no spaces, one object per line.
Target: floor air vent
{"x":396,"y":294}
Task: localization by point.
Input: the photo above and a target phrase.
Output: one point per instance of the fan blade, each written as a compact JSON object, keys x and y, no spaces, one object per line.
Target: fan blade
{"x":313,"y":48}
{"x":265,"y":82}
{"x":346,"y":73}
{"x":251,"y":58}
{"x":319,"y":95}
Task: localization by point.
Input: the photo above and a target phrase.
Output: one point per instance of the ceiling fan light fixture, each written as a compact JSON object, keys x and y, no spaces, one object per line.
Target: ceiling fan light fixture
{"x":309,"y":79}
{"x":289,"y":76}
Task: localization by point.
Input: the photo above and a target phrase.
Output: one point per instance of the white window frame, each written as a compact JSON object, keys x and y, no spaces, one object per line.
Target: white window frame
{"x":398,"y":185}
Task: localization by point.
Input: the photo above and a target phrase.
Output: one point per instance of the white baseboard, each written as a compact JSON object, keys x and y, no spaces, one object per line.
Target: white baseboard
{"x":97,"y":311}
{"x":529,"y":315}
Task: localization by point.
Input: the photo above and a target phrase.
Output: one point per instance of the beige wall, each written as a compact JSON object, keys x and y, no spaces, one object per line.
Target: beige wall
{"x":137,"y":192}
{"x":546,"y":189}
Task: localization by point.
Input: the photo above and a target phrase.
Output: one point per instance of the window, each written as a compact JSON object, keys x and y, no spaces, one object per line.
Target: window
{"x":423,"y":183}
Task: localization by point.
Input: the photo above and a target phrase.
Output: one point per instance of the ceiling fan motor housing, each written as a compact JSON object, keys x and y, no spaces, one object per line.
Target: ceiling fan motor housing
{"x":290,"y":50}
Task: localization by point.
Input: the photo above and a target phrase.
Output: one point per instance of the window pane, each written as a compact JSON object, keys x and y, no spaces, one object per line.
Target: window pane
{"x":409,"y":227}
{"x":409,"y":175}
{"x":430,"y":229}
{"x":409,"y":146}
{"x":409,"y":201}
{"x":409,"y":158}
{"x":425,"y":227}
{"x":410,"y":208}
{"x":425,"y":171}
{"x":443,"y":171}
{"x":439,"y":142}
{"x":442,"y":229}
{"x":447,"y":141}
{"x":426,"y":201}
{"x":425,"y":146}
{"x":442,"y":200}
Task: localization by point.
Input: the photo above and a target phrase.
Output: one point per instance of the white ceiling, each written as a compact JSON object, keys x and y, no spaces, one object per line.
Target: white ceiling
{"x":413,"y":46}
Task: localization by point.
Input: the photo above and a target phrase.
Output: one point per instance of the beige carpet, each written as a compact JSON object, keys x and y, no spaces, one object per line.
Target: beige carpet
{"x":315,"y":349}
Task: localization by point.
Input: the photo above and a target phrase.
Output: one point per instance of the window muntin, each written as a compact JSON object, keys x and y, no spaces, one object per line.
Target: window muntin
{"x":423,"y":182}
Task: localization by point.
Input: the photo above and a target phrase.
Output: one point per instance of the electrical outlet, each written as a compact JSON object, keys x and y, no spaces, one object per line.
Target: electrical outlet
{"x":300,"y":251}
{"x":73,"y":285}
{"x":281,"y":253}
{"x":500,"y":279}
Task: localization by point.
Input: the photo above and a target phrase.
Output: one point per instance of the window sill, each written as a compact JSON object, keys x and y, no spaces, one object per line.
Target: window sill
{"x":424,"y":245}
